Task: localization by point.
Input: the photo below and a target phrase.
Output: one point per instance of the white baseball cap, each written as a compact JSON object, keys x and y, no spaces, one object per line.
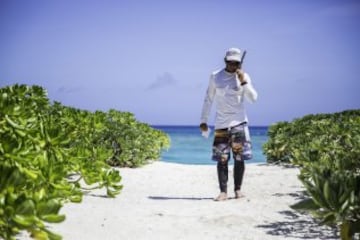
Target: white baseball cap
{"x":233,"y":54}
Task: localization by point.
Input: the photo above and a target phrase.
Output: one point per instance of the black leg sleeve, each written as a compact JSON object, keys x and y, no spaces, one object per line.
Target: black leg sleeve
{"x":239,"y":169}
{"x":222,"y":170}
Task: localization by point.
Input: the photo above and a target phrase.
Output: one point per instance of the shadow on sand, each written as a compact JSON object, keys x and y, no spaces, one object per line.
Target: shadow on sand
{"x":179,"y":198}
{"x":298,"y":225}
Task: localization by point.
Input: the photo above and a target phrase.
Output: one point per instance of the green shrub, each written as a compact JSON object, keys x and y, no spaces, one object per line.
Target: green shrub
{"x":326,"y":147}
{"x":44,"y":146}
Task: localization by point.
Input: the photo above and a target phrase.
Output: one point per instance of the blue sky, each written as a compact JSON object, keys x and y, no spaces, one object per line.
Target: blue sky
{"x":154,"y":58}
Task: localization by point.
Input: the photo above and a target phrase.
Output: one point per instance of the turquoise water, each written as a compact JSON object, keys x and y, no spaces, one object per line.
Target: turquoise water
{"x":189,"y":147}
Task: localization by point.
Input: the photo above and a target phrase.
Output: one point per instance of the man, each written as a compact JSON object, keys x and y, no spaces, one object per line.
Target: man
{"x":229,"y":87}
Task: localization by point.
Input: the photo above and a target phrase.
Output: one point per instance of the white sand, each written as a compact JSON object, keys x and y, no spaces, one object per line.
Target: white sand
{"x":174,"y":201}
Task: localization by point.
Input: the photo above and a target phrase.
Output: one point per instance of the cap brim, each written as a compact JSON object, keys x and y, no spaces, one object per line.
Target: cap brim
{"x":232,"y":58}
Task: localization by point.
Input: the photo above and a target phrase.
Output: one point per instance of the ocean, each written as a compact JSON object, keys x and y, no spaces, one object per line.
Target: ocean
{"x":189,"y":147}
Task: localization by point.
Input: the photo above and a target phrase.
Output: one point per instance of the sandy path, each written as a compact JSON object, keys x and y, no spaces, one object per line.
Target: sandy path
{"x":174,"y":201}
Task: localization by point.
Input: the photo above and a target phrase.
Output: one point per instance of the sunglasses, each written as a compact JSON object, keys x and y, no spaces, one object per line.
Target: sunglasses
{"x":233,"y":63}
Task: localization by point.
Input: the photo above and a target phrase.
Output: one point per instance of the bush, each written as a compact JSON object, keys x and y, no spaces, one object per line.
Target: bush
{"x":327,"y":149}
{"x":47,"y":149}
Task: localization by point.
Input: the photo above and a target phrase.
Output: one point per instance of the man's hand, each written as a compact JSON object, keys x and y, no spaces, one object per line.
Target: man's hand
{"x":203,"y":127}
{"x":241,"y":75}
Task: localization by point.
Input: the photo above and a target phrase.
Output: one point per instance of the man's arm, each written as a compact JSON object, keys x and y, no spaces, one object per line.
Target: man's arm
{"x":249,"y":91}
{"x":209,"y":97}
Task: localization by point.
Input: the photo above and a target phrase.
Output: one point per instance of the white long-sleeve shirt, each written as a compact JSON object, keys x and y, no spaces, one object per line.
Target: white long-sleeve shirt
{"x":229,"y":95}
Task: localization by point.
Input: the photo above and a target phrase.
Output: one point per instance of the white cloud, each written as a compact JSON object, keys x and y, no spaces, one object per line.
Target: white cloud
{"x":64,"y":89}
{"x":164,"y":80}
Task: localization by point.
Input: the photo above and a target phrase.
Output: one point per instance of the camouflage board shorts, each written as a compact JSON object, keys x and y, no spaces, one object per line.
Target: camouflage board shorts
{"x":236,"y":139}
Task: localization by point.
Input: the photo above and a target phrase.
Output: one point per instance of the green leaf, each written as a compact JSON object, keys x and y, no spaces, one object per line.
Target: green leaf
{"x":26,"y":208}
{"x":30,"y":173}
{"x":329,"y":218}
{"x":23,"y":221}
{"x":344,"y":206}
{"x":20,"y":133}
{"x":53,"y":218}
{"x":344,"y":196}
{"x":15,"y":178}
{"x":39,"y":195}
{"x":51,"y":206}
{"x":112,"y":193}
{"x":39,"y":234}
{"x":52,"y":235}
{"x":117,"y":187}
{"x":327,"y":191}
{"x":13,"y":124}
{"x":76,"y":198}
